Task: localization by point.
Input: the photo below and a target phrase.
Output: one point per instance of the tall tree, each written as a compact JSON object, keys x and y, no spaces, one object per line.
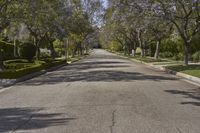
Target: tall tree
{"x":185,"y":15}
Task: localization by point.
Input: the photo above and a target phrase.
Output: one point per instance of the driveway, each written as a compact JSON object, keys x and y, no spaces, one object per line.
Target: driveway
{"x":103,"y":93}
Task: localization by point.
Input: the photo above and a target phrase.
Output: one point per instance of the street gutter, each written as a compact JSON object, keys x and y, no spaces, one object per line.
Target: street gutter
{"x":189,"y":78}
{"x":4,"y":83}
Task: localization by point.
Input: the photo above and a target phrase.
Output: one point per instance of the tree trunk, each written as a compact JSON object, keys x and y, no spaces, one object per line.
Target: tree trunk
{"x":36,"y":43}
{"x":157,"y":52}
{"x":124,"y":49}
{"x":129,"y":50}
{"x":81,"y":50}
{"x":133,"y":52}
{"x":15,"y":48}
{"x":186,"y":54}
{"x":37,"y":53}
{"x":142,"y":52}
{"x":66,"y":52}
{"x":1,"y":60}
{"x":53,"y":53}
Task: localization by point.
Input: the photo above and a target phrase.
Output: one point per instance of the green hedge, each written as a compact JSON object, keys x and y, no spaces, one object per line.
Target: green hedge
{"x":27,"y":51}
{"x":15,"y":73}
{"x":18,"y":64}
{"x":39,"y":65}
{"x":8,"y":50}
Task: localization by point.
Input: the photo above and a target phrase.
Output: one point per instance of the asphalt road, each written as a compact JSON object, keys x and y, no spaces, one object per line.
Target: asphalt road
{"x":103,"y":93}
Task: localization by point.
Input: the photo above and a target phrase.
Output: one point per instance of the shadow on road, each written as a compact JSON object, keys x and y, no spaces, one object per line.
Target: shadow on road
{"x":12,"y":119}
{"x":192,"y":94}
{"x":95,"y":72}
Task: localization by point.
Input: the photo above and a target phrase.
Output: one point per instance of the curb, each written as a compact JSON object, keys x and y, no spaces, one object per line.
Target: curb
{"x":9,"y":82}
{"x":190,"y":78}
{"x":183,"y":75}
{"x":187,"y":77}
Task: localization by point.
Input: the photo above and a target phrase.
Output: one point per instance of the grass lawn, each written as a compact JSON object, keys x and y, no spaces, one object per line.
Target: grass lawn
{"x":147,"y":59}
{"x":193,"y":70}
{"x":168,"y":63}
{"x":150,"y":60}
{"x":71,"y":60}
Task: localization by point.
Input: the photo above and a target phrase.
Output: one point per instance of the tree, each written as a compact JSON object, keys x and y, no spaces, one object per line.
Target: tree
{"x":160,"y":30}
{"x":6,"y":12}
{"x":185,"y":15}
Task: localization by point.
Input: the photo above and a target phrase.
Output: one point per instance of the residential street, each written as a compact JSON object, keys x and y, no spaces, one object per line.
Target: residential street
{"x":103,"y":93}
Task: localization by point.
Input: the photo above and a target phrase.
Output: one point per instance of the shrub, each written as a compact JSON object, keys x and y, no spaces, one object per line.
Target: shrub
{"x":114,"y":46}
{"x":166,"y":54}
{"x":12,"y":74}
{"x":33,"y":67}
{"x":178,"y":56}
{"x":27,"y":51}
{"x":17,"y":64}
{"x":44,"y":55}
{"x":7,"y":49}
{"x":196,"y":56}
{"x":138,"y":51}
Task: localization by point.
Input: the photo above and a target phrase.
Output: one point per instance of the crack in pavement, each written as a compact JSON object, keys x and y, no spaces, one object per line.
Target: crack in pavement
{"x":113,"y":121}
{"x":178,"y":130}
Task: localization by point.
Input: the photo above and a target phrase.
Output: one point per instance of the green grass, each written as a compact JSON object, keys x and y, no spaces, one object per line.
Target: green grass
{"x":148,"y":59}
{"x":73,"y":59}
{"x":193,"y":70}
{"x":168,"y":63}
{"x":151,"y":60}
{"x":144,"y":59}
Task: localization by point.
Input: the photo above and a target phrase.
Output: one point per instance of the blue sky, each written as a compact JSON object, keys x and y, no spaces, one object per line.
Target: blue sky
{"x":105,"y":3}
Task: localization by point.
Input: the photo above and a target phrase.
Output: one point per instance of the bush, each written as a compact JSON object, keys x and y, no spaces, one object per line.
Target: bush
{"x":27,"y":51}
{"x":166,"y":54}
{"x":173,"y":46}
{"x":12,"y":74}
{"x":17,"y":64}
{"x":49,"y":62}
{"x":44,"y":55}
{"x":196,"y":56}
{"x":7,"y":49}
{"x":30,"y":68}
{"x":195,"y":44}
{"x":114,"y":46}
{"x":179,"y":56}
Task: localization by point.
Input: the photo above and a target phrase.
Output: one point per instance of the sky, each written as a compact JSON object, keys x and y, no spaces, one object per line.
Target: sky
{"x":105,"y":3}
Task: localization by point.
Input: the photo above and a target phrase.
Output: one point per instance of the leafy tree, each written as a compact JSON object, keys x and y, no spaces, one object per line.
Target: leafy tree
{"x":184,"y":14}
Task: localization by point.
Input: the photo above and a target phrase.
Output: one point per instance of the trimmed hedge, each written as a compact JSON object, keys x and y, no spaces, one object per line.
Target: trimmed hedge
{"x":17,"y":64}
{"x":27,"y":51}
{"x":8,"y":50}
{"x":39,"y":65}
{"x":16,"y":73}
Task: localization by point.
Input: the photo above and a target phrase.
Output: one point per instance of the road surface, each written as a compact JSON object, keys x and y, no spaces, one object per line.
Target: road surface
{"x":103,"y":93}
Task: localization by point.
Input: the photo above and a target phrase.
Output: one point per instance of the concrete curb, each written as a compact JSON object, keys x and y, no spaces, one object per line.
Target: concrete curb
{"x":183,"y":75}
{"x":190,"y":78}
{"x":9,"y":82}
